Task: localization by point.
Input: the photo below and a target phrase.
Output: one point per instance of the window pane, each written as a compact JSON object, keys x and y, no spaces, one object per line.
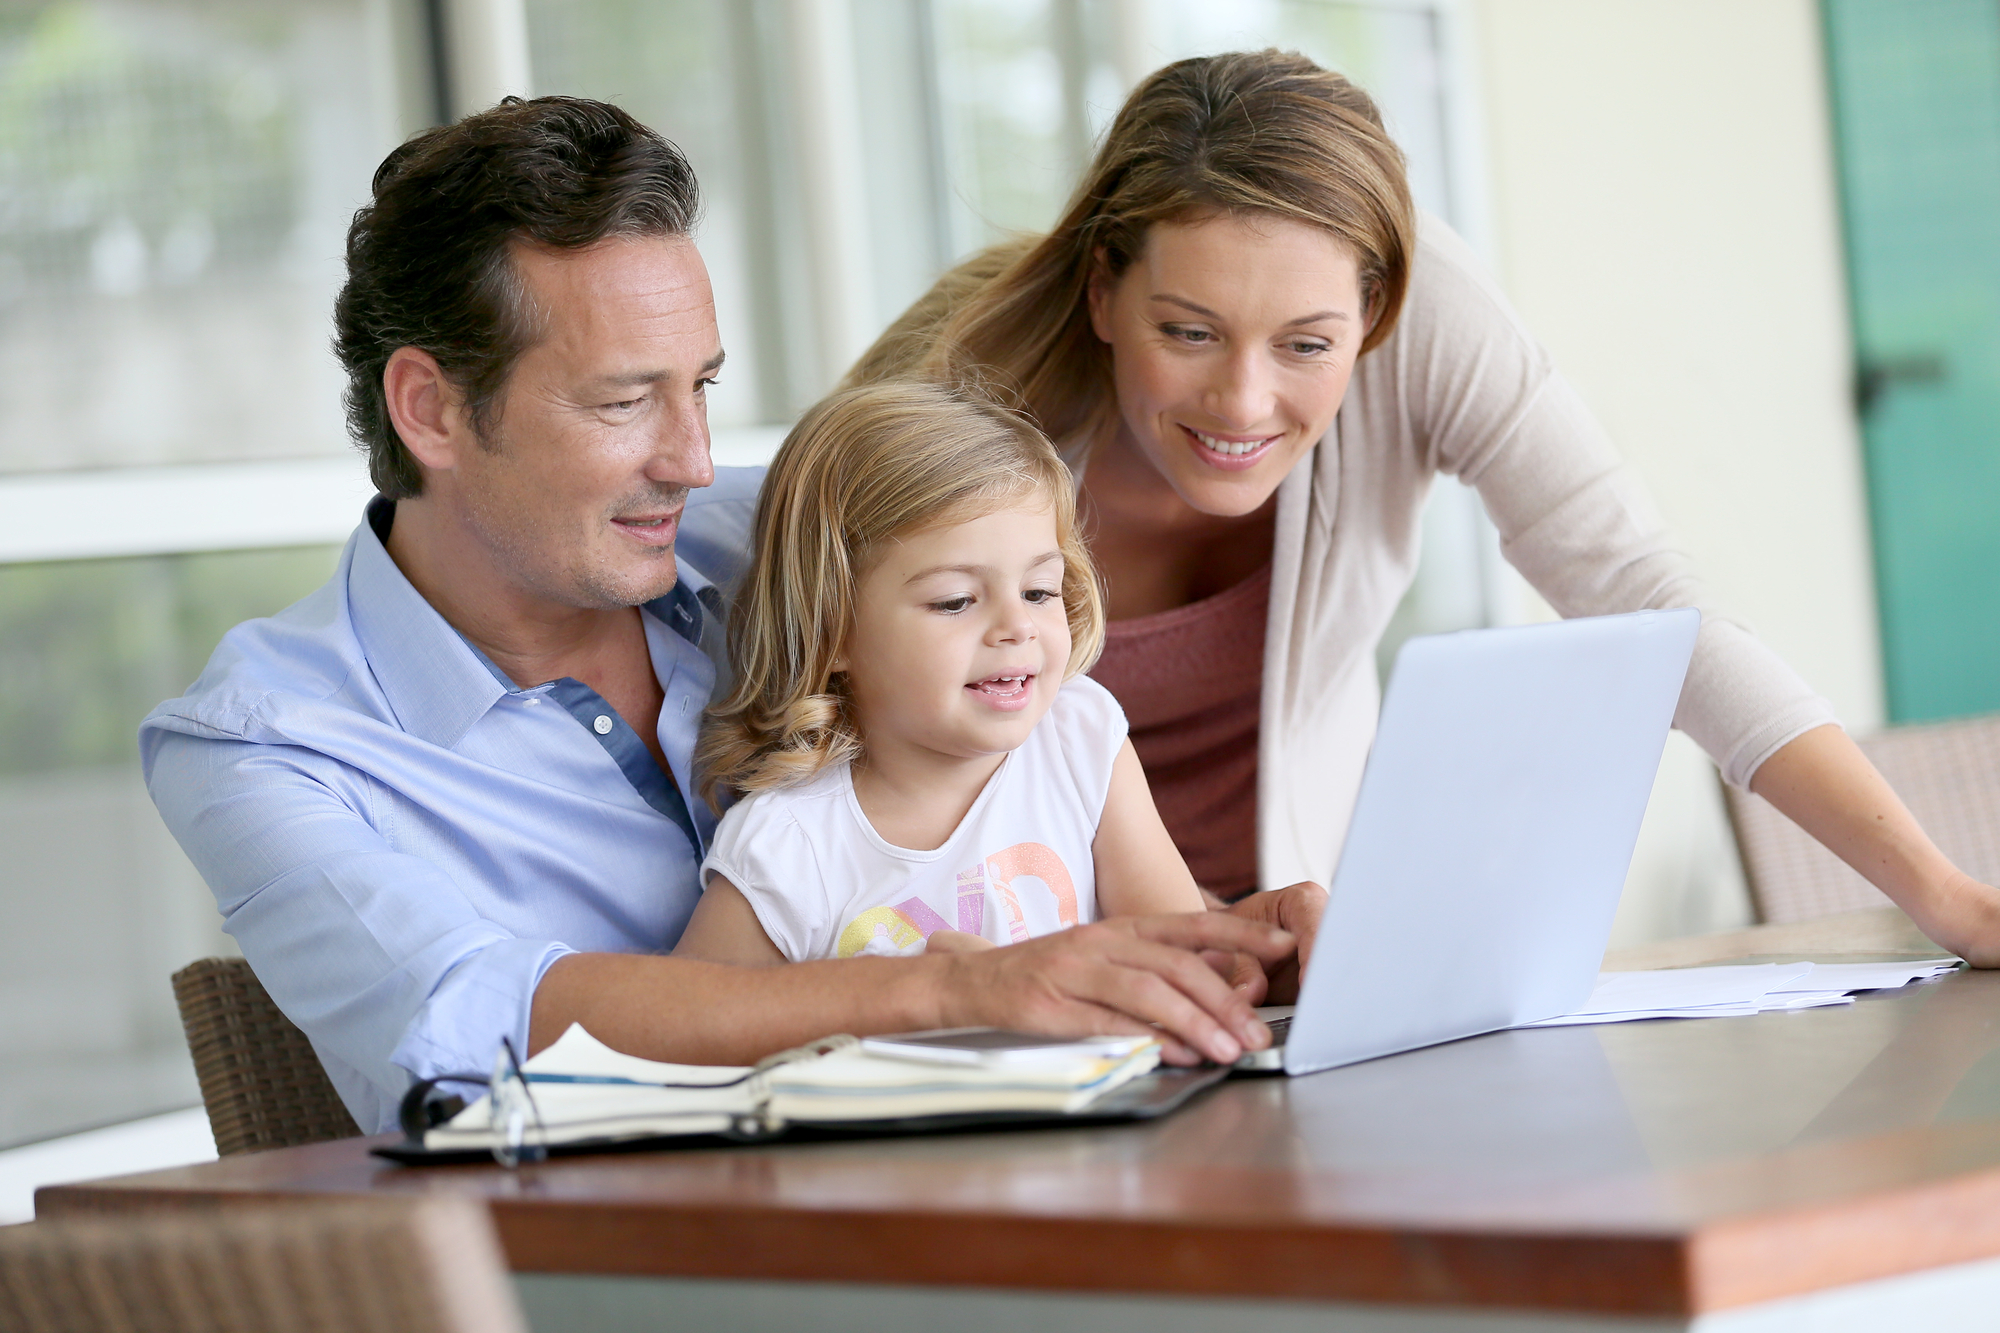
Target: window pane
{"x":678,"y":65}
{"x":98,"y":906}
{"x":1009,"y":156}
{"x":175,"y":184}
{"x":1027,"y":87}
{"x":1392,"y":50}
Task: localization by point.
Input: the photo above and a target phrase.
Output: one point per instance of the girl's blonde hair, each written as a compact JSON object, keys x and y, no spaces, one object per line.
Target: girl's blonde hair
{"x":862,"y":467}
{"x":1259,"y":132}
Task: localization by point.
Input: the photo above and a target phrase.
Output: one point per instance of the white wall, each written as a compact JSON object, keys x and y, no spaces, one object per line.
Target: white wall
{"x":1666,"y":221}
{"x":1665,"y":218}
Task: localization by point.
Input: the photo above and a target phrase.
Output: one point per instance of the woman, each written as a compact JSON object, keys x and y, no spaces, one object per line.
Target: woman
{"x":1257,"y":357}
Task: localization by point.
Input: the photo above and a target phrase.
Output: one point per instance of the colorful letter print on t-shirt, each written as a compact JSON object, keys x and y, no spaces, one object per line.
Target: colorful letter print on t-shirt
{"x":1027,"y":884}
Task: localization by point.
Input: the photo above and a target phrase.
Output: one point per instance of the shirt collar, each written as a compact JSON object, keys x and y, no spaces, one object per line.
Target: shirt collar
{"x":437,"y":682}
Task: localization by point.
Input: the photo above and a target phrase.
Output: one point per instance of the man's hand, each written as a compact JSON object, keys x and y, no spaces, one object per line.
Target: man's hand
{"x":1139,"y":975}
{"x":1142,"y":976}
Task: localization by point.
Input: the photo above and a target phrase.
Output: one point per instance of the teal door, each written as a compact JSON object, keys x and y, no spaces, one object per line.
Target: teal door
{"x":1916,"y":95}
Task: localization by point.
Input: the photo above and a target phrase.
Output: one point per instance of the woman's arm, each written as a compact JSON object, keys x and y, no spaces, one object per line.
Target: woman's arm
{"x":1139,"y":870}
{"x":1827,"y":787}
{"x":725,"y":929}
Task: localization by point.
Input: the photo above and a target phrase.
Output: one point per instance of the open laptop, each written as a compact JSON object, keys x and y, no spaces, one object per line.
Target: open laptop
{"x":1491,"y":837}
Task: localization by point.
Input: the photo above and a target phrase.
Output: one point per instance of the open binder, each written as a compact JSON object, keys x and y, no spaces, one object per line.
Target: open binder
{"x":589,"y":1098}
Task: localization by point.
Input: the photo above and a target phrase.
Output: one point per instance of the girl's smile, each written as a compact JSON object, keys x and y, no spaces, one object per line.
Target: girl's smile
{"x":1008,"y":693}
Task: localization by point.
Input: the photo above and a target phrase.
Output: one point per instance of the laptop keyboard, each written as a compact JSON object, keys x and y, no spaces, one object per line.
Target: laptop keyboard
{"x":1279,"y":1027}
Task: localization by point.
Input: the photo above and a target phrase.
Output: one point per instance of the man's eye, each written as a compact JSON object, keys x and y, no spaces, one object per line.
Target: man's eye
{"x":629,"y":405}
{"x":951,"y":605}
{"x":703,"y":386}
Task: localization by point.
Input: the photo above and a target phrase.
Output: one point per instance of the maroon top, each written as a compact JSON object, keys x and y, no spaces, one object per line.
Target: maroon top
{"x":1190,"y":681}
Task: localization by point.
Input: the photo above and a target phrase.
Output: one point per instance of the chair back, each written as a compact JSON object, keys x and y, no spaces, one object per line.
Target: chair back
{"x":1948,"y":773}
{"x":260,"y":1080}
{"x":336,"y":1266}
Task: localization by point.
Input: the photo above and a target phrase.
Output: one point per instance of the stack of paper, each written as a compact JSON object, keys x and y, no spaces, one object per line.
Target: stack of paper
{"x":1718,"y":992}
{"x":585,"y":1092}
{"x":855,"y":1084}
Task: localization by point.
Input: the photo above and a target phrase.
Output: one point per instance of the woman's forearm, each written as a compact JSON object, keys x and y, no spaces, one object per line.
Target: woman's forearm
{"x":1825,"y":784}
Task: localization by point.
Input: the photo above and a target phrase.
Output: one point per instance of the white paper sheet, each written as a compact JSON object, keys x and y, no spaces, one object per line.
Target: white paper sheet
{"x":1737,"y":989}
{"x":1871,"y":976}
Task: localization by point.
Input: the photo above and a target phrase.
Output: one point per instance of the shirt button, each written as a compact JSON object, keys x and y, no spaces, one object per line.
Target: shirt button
{"x":602,"y":726}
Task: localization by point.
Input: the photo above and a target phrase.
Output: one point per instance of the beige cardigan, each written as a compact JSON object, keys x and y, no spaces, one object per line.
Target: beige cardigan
{"x":1461,"y":388}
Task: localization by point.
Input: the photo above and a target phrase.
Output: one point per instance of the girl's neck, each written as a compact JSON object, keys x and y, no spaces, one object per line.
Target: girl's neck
{"x":1154,"y":550}
{"x":919,"y":800}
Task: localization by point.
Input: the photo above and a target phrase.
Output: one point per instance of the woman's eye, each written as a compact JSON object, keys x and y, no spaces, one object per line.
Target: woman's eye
{"x":1187,"y":335}
{"x":1307,"y":348}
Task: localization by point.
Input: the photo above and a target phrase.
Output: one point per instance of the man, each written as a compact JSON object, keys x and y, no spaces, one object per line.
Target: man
{"x":443,"y":800}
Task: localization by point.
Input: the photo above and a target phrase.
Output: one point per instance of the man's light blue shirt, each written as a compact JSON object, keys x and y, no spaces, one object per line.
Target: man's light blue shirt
{"x":403,"y":841}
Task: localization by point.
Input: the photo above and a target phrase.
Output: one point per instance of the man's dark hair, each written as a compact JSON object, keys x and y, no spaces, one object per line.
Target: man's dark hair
{"x":427,"y":260}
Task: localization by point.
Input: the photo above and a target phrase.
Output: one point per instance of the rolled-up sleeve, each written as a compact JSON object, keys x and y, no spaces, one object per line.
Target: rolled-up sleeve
{"x":1573,"y":518}
{"x":377,"y":954}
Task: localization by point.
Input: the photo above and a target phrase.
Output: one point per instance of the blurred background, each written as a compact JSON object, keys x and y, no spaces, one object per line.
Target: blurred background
{"x":1760,"y":236}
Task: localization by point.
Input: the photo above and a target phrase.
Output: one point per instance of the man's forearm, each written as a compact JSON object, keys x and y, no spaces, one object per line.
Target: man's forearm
{"x":691,"y":1012}
{"x":1137,"y":975}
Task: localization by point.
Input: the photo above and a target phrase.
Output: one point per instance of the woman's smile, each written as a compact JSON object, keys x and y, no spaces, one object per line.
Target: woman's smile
{"x":1232,"y":453}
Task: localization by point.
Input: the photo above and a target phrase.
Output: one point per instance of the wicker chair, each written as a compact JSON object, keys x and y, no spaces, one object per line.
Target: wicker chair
{"x":260,"y":1079}
{"x":1948,"y":773}
{"x":347,"y":1266}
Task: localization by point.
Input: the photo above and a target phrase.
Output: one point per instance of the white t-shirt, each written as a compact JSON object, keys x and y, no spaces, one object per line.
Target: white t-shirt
{"x":825,"y":884}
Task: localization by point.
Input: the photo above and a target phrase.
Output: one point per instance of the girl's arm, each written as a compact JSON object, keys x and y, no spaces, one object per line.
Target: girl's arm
{"x":1139,"y":870}
{"x":725,"y":929}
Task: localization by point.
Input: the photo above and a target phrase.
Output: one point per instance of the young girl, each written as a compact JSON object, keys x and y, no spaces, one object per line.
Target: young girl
{"x":921,"y":762}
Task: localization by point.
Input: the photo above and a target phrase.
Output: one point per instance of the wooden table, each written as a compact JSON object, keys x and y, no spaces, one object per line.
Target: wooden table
{"x":1791,"y":1170}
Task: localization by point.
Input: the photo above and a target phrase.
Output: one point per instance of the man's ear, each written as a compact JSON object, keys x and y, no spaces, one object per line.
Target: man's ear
{"x":426,"y":408}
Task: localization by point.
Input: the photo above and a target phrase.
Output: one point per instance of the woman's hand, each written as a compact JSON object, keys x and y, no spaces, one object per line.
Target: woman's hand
{"x":1826,"y":785}
{"x":1962,"y":915}
{"x":1295,"y":908}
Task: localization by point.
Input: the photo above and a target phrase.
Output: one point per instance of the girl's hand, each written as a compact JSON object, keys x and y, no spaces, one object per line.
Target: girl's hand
{"x":1295,"y":908}
{"x":957,"y":941}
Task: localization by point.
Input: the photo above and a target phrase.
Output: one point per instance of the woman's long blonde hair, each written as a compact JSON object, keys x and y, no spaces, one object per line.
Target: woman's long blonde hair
{"x":1262,"y":132}
{"x":862,"y":467}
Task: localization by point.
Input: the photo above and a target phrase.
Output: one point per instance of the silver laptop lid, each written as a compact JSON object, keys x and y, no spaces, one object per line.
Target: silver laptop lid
{"x":1490,"y":841}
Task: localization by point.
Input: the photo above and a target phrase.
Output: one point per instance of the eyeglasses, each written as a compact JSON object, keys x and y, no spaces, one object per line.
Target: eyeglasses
{"x":512,"y":1109}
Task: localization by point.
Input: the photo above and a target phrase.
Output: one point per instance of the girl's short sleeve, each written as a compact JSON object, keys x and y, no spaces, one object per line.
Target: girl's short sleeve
{"x":761,"y":849}
{"x":1089,"y":730}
